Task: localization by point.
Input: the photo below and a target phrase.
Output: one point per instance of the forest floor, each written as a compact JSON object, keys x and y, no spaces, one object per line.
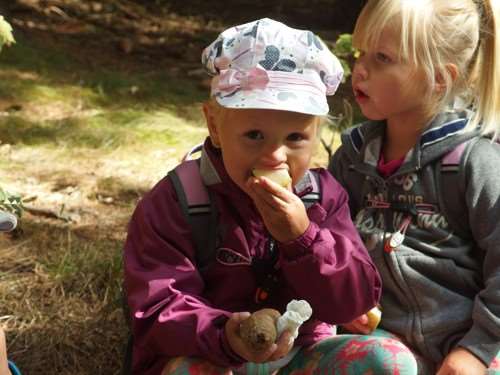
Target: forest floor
{"x":98,"y":100}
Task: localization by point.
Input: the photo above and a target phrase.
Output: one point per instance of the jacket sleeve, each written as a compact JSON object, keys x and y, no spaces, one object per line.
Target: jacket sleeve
{"x":329,"y":265}
{"x":482,"y":194}
{"x":168,"y":315}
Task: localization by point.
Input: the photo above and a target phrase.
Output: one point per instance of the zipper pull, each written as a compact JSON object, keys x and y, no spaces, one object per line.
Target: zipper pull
{"x":394,"y":241}
{"x":397,"y":238}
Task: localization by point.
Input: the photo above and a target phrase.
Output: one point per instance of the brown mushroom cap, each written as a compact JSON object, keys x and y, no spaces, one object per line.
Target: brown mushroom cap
{"x":259,"y":330}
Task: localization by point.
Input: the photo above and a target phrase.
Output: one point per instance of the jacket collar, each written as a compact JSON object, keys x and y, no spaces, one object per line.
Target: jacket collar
{"x":444,"y":132}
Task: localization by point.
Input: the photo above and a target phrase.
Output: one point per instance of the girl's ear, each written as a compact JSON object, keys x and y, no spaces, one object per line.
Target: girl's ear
{"x":212,"y":120}
{"x":441,"y":82}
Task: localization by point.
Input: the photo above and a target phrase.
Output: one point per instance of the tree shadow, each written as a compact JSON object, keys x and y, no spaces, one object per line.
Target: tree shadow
{"x":39,"y":69}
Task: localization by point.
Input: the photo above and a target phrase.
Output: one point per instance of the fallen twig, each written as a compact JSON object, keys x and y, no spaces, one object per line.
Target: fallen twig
{"x":37,"y":211}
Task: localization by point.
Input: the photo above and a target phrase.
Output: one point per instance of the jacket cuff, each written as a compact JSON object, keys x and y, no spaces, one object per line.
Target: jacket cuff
{"x":234,"y":359}
{"x":480,"y":343}
{"x":301,"y":245}
{"x":214,"y":347}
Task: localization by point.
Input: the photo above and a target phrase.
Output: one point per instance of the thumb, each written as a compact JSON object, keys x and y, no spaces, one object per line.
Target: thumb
{"x":250,"y":184}
{"x":235,"y":319}
{"x":363,"y":319}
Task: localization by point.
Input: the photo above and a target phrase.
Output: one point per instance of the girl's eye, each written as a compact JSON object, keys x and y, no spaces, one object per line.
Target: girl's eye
{"x":254,"y":135}
{"x":295,"y":137}
{"x":383,"y":58}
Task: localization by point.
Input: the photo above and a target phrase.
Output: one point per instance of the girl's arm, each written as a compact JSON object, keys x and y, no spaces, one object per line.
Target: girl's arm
{"x":482,"y":196}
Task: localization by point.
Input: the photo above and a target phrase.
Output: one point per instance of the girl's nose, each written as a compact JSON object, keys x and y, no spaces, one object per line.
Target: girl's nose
{"x":360,"y":71}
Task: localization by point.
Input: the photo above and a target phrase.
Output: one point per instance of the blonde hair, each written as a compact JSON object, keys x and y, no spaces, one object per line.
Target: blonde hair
{"x":437,"y":33}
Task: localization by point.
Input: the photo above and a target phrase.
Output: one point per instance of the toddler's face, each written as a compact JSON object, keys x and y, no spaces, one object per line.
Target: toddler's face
{"x":264,"y":139}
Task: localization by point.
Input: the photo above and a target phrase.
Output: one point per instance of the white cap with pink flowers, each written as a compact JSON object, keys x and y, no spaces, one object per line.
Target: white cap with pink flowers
{"x":267,"y":65}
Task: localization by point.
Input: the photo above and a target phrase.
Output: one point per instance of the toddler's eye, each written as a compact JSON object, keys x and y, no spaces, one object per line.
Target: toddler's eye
{"x":295,"y":137}
{"x":383,"y":58}
{"x":254,"y":135}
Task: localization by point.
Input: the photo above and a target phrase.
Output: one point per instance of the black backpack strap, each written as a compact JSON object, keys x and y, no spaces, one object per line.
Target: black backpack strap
{"x":450,"y":189}
{"x":198,"y":208}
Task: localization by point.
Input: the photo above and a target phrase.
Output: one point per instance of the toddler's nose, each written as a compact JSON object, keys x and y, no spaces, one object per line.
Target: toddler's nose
{"x":274,"y":156}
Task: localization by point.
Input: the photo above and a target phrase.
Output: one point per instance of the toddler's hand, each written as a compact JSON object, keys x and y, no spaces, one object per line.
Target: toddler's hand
{"x":277,"y":350}
{"x":283,"y":213}
{"x":284,"y":345}
{"x":232,"y":328}
{"x":358,"y":325}
{"x":461,"y":361}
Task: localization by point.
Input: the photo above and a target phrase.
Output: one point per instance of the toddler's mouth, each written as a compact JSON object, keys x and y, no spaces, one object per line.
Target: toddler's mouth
{"x":360,"y":94}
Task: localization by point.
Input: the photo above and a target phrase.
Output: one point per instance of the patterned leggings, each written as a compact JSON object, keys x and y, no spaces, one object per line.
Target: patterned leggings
{"x":379,"y":353}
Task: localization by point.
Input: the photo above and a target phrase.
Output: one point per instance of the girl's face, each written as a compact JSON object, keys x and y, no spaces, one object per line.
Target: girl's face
{"x":264,"y":139}
{"x":386,"y":87}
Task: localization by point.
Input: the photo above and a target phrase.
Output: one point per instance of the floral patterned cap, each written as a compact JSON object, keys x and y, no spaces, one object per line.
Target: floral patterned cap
{"x":267,"y":65}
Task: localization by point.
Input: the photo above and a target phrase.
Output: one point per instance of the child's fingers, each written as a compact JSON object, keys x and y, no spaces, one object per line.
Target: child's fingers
{"x":270,"y":200}
{"x":363,"y":329}
{"x":237,"y":318}
{"x":233,"y":324}
{"x":285,"y":344}
{"x":264,"y":356}
{"x":261,"y":204}
{"x":267,"y":197}
{"x":363,"y":319}
{"x":275,"y":189}
{"x":263,"y":199}
{"x":360,"y":325}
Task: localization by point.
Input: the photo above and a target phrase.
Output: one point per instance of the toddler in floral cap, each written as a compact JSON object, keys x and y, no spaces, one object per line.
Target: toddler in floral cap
{"x":283,"y":231}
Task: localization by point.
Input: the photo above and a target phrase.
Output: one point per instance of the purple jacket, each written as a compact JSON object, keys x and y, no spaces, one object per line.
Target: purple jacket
{"x":177,"y":312}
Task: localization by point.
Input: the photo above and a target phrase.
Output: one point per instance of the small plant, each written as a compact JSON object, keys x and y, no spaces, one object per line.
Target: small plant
{"x":346,"y":53}
{"x":6,"y":37}
{"x":10,"y":202}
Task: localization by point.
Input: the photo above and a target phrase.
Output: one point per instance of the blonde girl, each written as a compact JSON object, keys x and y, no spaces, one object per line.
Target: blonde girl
{"x":422,"y":175}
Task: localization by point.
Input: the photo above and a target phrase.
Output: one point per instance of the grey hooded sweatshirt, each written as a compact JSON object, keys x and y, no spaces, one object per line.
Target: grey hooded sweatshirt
{"x":441,"y":285}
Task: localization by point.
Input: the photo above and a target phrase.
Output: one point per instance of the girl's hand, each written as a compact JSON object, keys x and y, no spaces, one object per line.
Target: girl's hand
{"x":285,"y":344}
{"x":358,"y":325}
{"x":461,"y":361}
{"x":277,"y":350}
{"x":283,"y":213}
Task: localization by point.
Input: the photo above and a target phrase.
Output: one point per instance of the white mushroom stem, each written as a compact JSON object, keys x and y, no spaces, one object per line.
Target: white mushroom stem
{"x":297,"y":312}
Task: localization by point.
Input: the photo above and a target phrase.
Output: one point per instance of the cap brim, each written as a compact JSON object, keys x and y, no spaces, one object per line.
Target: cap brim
{"x":296,"y":101}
